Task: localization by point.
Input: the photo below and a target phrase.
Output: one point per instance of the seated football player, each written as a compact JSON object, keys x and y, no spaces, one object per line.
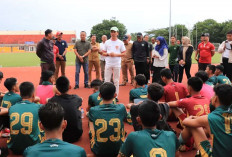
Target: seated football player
{"x":95,"y":99}
{"x":24,"y":120}
{"x":71,"y":104}
{"x":196,"y":105}
{"x":46,"y":90}
{"x":106,"y":123}
{"x":150,"y":141}
{"x":210,"y":70}
{"x":52,"y":122}
{"x":221,"y":79}
{"x":1,"y":93}
{"x":218,"y":124}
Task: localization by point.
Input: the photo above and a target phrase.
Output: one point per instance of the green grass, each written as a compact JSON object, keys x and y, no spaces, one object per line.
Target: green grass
{"x":30,"y":59}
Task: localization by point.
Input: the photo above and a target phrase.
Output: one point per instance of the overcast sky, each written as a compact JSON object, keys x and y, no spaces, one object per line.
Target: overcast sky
{"x":137,"y":15}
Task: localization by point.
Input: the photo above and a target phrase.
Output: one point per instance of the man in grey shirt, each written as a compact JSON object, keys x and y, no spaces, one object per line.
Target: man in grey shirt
{"x":44,"y":51}
{"x":82,"y":49}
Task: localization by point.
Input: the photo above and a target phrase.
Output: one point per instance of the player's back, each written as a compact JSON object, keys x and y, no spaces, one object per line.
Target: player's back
{"x":54,"y":147}
{"x":24,"y":128}
{"x":220,"y":125}
{"x":174,"y":91}
{"x":138,"y":93}
{"x":148,"y":142}
{"x":44,"y":92}
{"x":95,"y":99}
{"x":222,"y":79}
{"x":108,"y":133}
{"x":10,"y":99}
{"x":207,"y":91}
{"x":212,"y":80}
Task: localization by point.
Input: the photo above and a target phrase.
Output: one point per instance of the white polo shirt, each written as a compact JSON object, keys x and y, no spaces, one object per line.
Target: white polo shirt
{"x":116,"y":47}
{"x":102,"y":58}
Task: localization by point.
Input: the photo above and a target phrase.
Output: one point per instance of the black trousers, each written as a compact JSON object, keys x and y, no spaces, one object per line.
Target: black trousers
{"x":202,"y":66}
{"x":187,"y":68}
{"x":45,"y":67}
{"x":175,"y":71}
{"x":140,"y":68}
{"x":156,"y":75}
{"x":227,"y":68}
{"x":147,"y":73}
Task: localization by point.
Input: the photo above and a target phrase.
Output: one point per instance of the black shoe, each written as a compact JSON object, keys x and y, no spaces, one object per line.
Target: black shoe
{"x":86,"y":86}
{"x":76,"y":87}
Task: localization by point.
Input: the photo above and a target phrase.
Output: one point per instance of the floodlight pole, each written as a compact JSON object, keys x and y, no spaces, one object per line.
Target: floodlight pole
{"x":170,"y":16}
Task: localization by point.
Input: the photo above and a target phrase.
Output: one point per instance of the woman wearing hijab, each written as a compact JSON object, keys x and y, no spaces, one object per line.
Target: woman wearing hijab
{"x":184,"y":57}
{"x":160,"y":55}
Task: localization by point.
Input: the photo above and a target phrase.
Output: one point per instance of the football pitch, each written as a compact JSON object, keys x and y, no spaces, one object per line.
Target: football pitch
{"x":28,"y":59}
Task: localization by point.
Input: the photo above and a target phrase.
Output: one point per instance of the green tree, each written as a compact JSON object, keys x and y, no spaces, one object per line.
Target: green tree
{"x":133,"y":36}
{"x":104,"y":28}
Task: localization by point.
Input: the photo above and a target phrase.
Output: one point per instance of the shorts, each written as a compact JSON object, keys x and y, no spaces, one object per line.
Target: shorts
{"x":205,"y":149}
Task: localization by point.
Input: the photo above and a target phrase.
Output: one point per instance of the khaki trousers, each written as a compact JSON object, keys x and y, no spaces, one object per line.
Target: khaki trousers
{"x":96,"y":65}
{"x":127,"y":66}
{"x":59,"y":64}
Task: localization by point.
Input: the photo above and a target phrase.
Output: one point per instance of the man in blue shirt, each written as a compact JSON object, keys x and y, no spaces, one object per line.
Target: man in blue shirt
{"x":61,"y":61}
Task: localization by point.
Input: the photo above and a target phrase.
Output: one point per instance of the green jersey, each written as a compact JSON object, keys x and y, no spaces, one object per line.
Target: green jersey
{"x":10,"y":99}
{"x":24,"y":126}
{"x":220,"y":122}
{"x":95,"y":100}
{"x":212,"y":80}
{"x":138,"y":93}
{"x":223,"y":79}
{"x":149,"y":143}
{"x":173,"y":50}
{"x":108,"y":133}
{"x":54,"y":147}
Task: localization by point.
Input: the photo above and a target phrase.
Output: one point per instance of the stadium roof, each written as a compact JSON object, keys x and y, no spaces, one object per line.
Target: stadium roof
{"x":22,"y":37}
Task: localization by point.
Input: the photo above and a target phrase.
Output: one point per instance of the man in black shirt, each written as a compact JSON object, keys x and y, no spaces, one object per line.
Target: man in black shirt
{"x":140,"y":54}
{"x":71,"y":104}
{"x":150,"y":48}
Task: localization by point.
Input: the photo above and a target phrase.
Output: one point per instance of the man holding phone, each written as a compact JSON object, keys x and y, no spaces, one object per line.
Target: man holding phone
{"x":226,"y":50}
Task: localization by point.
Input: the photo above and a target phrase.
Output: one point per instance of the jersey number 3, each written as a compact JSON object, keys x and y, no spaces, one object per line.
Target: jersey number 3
{"x":25,"y":124}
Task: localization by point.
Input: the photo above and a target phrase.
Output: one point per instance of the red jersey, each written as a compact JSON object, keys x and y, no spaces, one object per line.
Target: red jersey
{"x":196,"y":105}
{"x":205,"y":52}
{"x":174,"y":91}
{"x":55,"y":51}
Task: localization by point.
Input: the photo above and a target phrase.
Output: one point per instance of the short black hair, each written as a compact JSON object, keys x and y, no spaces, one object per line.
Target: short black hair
{"x":48,"y":31}
{"x":220,"y":67}
{"x":140,"y":79}
{"x":149,"y":112}
{"x":173,"y":36}
{"x":155,"y":91}
{"x":83,"y":32}
{"x":230,"y":32}
{"x":9,"y":83}
{"x":212,"y":67}
{"x":96,"y":84}
{"x":107,"y":91}
{"x":46,"y":75}
{"x":166,"y":73}
{"x":224,"y":93}
{"x":26,"y":89}
{"x":1,"y":75}
{"x":51,"y":115}
{"x":196,"y":83}
{"x":62,"y":84}
{"x":202,"y":75}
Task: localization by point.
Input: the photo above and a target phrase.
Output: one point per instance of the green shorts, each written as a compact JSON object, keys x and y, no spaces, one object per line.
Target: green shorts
{"x":205,"y":149}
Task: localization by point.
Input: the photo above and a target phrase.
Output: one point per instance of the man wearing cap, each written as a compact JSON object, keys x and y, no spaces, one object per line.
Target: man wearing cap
{"x":102,"y":58}
{"x":94,"y":58}
{"x":206,"y":50}
{"x":82,"y":49}
{"x":44,"y":51}
{"x":61,"y":59}
{"x":114,"y":49}
{"x":140,"y":54}
{"x":127,"y":62}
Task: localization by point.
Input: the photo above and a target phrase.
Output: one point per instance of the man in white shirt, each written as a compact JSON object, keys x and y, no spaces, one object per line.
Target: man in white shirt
{"x":102,"y":58}
{"x":226,"y":50}
{"x":114,"y":49}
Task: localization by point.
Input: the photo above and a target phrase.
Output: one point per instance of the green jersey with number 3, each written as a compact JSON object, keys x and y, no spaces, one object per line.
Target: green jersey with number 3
{"x":221,"y":79}
{"x":10,"y":99}
{"x":150,"y":143}
{"x":220,"y":122}
{"x":108,"y":133}
{"x":24,"y":126}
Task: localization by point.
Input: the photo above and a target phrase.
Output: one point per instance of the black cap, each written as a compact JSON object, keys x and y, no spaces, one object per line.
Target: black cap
{"x":1,"y":75}
{"x":48,"y":31}
{"x":139,"y":34}
{"x":205,"y":35}
{"x":125,"y":37}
